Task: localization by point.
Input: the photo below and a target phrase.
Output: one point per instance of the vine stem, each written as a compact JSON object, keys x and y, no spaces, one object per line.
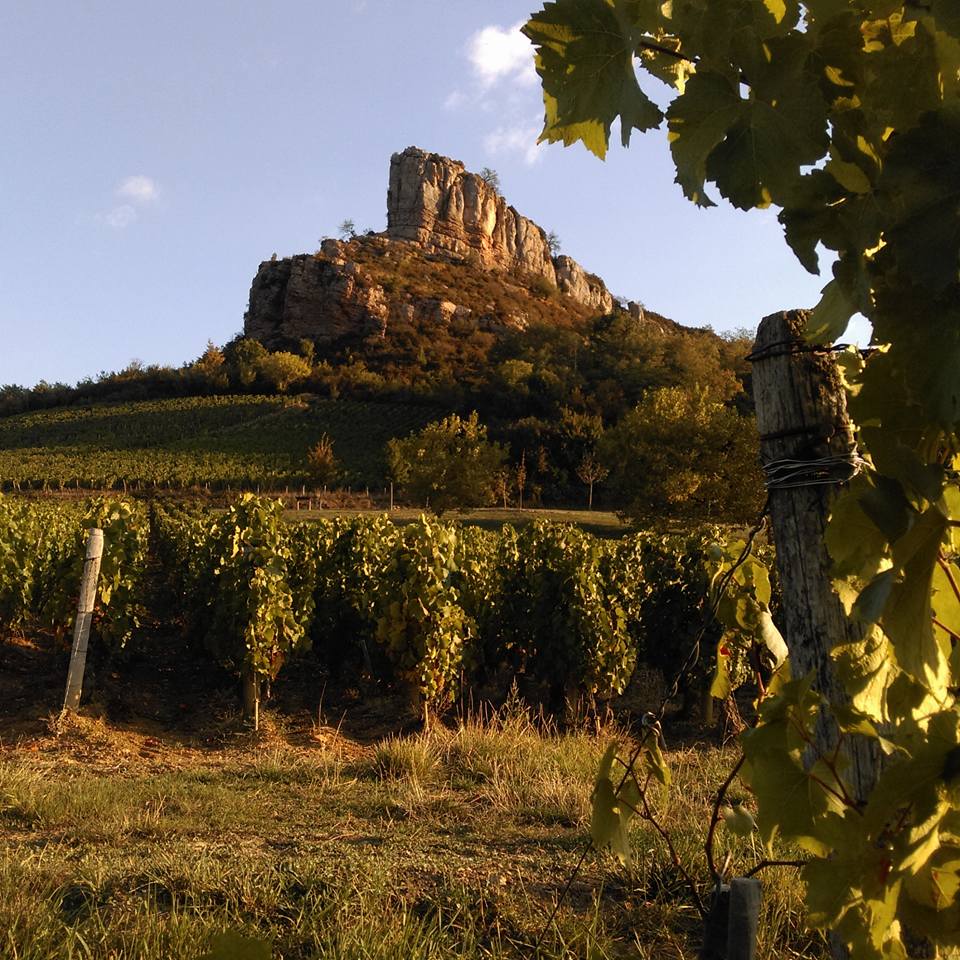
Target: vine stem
{"x":944,"y":627}
{"x":951,"y":579}
{"x":715,"y":819}
{"x":647,"y":814}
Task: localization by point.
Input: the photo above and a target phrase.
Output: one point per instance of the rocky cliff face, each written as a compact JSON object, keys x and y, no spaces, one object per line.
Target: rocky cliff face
{"x":435,"y":202}
{"x":436,"y":206}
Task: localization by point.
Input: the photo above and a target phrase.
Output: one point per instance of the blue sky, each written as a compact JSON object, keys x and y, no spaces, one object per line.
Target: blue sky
{"x":155,"y":153}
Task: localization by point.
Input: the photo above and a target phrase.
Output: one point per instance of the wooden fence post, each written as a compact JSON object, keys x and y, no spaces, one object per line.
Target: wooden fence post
{"x":802,"y":417}
{"x":81,"y":628}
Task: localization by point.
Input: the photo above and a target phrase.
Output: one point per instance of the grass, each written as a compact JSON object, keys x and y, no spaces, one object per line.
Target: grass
{"x":448,"y":843}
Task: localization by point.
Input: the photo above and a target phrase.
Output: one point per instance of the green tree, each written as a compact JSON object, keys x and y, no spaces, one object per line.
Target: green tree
{"x":844,"y":114}
{"x":449,"y":463}
{"x":243,"y":355}
{"x":347,"y":230}
{"x":322,"y":462}
{"x":679,"y":453}
{"x":209,"y":370}
{"x":280,"y":370}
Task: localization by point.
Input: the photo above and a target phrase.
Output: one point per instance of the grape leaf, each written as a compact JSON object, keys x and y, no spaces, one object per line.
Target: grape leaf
{"x":585,"y":62}
{"x":907,"y":617}
{"x":783,"y":126}
{"x":698,"y":121}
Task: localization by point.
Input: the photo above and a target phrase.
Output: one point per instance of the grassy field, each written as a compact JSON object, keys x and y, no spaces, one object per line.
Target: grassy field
{"x":126,"y":842}
{"x":221,"y":441}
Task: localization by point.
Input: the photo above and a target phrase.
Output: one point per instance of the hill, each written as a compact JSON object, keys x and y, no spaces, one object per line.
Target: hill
{"x":227,"y":441}
{"x":461,"y":304}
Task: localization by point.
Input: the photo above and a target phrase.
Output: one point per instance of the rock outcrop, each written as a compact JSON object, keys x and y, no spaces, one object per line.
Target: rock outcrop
{"x":439,"y":209}
{"x":436,"y":203}
{"x":307,"y":297}
{"x":585,"y":288}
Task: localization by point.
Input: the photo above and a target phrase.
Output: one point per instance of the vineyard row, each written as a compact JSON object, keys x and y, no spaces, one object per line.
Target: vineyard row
{"x":431,"y":606}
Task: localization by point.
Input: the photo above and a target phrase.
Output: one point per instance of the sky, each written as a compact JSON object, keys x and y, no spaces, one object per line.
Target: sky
{"x":155,"y":153}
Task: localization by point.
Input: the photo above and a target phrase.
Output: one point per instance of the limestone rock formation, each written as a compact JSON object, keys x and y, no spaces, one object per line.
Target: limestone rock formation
{"x":438,"y":210}
{"x":583,"y":287}
{"x":435,"y":202}
{"x":306,"y":297}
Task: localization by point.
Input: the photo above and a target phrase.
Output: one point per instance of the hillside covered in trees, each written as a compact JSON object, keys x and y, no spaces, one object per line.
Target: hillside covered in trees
{"x":461,"y":305}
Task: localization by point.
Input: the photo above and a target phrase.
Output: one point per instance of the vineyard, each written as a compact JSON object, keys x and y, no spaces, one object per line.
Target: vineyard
{"x":221,"y":442}
{"x":432,"y":608}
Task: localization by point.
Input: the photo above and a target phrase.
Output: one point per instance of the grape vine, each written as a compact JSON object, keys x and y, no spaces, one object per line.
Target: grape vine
{"x":845,"y":114}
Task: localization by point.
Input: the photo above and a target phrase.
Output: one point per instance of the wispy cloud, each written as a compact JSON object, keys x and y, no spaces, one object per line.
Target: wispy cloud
{"x":138,"y":189}
{"x":119,"y":217}
{"x":135,"y":193}
{"x":517,"y":139}
{"x":501,"y":53}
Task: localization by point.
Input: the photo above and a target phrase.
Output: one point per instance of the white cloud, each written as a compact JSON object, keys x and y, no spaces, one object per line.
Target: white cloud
{"x":515,"y":139}
{"x":119,"y":217}
{"x":498,"y":53}
{"x":454,"y":100}
{"x":134,"y":193}
{"x":138,"y":189}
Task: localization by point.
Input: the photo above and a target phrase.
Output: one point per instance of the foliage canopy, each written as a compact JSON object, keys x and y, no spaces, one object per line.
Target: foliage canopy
{"x":845,"y":114}
{"x":448,"y":463}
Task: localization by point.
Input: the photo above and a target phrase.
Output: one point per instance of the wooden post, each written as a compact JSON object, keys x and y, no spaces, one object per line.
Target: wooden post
{"x":81,"y":628}
{"x":802,"y":415}
{"x":251,"y":698}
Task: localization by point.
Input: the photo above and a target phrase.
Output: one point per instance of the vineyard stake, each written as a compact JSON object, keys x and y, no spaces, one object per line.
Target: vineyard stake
{"x":81,"y":629}
{"x":251,"y":698}
{"x":802,"y":416}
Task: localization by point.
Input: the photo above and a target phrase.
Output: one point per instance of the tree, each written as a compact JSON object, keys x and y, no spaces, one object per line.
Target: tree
{"x":521,"y":478}
{"x":449,"y":463}
{"x":502,"y":485}
{"x":243,"y":355}
{"x":845,"y":114}
{"x":347,"y":230}
{"x":281,"y":369}
{"x":491,"y":178}
{"x":321,"y":462}
{"x":209,"y":369}
{"x":553,"y":242}
{"x":591,"y":471}
{"x":680,"y":453}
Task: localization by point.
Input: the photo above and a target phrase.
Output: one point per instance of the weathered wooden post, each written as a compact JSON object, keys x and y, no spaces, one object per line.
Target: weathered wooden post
{"x":251,"y":698}
{"x":808,"y":451}
{"x":81,"y":628}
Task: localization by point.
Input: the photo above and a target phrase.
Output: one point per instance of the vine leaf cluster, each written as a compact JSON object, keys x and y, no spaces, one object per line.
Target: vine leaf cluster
{"x":845,"y":115}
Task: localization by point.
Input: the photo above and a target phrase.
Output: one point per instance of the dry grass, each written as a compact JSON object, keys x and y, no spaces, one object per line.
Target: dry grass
{"x":453,"y":842}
